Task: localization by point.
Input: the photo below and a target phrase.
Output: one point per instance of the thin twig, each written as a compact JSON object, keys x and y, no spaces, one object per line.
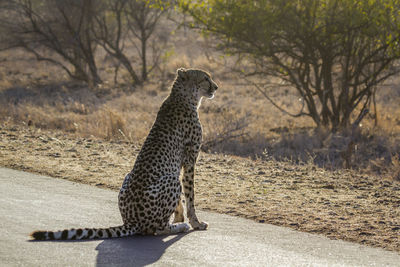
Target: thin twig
{"x":301,"y":113}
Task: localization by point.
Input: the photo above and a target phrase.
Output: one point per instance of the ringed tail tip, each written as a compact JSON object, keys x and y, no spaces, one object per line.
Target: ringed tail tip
{"x":38,"y":235}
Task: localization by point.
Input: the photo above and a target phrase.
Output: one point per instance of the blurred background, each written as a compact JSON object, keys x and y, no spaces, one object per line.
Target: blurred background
{"x":304,"y":81}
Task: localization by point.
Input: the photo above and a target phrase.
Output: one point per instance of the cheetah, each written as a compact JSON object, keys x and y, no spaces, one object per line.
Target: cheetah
{"x":152,"y":191}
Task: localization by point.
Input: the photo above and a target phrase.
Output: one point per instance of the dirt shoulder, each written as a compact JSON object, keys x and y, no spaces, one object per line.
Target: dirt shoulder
{"x":341,"y":205}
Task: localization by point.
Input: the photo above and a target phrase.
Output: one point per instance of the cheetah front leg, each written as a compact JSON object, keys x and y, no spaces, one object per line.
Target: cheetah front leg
{"x":188,"y":189}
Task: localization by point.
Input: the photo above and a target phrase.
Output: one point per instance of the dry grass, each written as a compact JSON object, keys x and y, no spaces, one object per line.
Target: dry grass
{"x":341,"y":204}
{"x":239,"y":121}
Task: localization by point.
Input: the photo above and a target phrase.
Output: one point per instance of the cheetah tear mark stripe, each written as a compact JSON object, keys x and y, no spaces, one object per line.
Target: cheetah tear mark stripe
{"x":86,"y":233}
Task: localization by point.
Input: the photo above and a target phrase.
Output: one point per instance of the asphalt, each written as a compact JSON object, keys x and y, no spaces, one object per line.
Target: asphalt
{"x":30,"y":202}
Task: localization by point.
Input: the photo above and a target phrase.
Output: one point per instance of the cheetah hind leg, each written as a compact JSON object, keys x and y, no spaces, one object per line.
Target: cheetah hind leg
{"x":178,"y":215}
{"x":173,"y":228}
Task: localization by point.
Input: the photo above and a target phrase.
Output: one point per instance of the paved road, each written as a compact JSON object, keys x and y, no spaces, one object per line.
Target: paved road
{"x":29,"y":202}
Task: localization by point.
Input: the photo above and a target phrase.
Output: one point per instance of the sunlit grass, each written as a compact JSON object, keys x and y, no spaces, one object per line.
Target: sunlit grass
{"x":238,"y":121}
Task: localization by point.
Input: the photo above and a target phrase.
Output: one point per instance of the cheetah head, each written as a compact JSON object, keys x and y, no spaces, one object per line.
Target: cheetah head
{"x":198,"y":82}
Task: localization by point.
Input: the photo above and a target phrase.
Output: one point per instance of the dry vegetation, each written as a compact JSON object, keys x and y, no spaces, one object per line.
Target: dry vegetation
{"x":342,"y":204}
{"x":239,"y":121}
{"x":293,"y":175}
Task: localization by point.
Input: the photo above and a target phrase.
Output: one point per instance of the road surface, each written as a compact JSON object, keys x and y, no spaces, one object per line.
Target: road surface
{"x":30,"y":202}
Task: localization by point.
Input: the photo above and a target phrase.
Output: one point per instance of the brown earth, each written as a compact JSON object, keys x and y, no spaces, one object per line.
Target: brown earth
{"x":341,"y":205}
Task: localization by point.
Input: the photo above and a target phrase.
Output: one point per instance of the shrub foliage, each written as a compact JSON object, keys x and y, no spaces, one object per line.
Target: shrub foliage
{"x":334,"y":53}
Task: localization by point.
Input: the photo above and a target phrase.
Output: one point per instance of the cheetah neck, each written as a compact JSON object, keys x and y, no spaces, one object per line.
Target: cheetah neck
{"x":179,"y":93}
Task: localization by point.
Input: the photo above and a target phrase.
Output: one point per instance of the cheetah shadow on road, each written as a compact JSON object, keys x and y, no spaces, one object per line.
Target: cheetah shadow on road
{"x":134,"y":250}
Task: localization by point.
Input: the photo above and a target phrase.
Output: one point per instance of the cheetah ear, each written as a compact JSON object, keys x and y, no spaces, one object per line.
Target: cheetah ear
{"x":182,"y":73}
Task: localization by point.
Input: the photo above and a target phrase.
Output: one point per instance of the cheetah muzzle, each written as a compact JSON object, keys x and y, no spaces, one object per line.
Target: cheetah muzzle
{"x":152,"y":191}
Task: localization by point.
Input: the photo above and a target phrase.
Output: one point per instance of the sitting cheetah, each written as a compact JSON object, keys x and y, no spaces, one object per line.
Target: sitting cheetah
{"x":151,"y":192}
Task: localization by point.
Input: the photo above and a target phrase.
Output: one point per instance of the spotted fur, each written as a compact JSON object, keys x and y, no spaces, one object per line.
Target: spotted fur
{"x":151,"y":192}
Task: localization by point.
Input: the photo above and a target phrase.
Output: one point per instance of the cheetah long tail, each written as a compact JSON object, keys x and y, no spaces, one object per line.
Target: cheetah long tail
{"x":86,"y":233}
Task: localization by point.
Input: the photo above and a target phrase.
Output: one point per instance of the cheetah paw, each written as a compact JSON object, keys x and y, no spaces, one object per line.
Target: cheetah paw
{"x":200,"y":226}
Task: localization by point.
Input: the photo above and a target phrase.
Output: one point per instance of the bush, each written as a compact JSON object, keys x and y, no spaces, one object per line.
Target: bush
{"x":334,"y":53}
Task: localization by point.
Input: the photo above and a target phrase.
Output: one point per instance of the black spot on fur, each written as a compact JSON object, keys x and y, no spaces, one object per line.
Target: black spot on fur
{"x":50,"y":235}
{"x":64,"y":234}
{"x":108,"y":232}
{"x":79,"y":232}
